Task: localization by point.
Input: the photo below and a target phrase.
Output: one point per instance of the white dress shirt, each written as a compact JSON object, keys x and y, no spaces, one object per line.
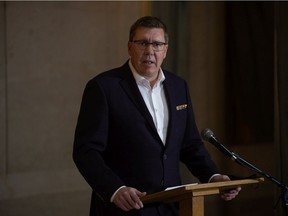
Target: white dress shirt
{"x":155,"y":101}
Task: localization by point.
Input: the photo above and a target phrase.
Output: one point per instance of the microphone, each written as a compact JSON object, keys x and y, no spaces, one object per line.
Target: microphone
{"x":208,"y":135}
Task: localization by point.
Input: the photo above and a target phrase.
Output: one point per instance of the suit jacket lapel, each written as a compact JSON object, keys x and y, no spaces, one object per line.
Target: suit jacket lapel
{"x":130,"y":87}
{"x":170,"y":97}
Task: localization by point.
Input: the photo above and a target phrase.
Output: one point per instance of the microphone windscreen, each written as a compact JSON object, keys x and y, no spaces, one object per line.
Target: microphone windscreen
{"x":207,"y":134}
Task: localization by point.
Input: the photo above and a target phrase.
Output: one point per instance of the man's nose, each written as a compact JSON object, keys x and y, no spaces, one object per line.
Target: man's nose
{"x":149,"y":48}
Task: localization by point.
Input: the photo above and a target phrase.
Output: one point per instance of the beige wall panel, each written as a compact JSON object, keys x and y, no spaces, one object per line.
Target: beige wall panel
{"x":51,"y":50}
{"x":2,"y":92}
{"x":207,"y":59}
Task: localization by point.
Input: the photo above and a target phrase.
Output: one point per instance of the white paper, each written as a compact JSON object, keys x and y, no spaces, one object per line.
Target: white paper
{"x":179,"y":186}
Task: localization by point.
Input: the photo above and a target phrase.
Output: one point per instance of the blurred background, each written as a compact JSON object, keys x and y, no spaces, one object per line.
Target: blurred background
{"x":232,"y":54}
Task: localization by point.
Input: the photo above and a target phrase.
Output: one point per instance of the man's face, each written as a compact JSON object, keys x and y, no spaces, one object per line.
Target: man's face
{"x":147,"y":62}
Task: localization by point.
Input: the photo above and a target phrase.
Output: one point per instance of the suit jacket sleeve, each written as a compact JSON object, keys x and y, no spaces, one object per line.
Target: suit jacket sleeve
{"x":90,"y":142}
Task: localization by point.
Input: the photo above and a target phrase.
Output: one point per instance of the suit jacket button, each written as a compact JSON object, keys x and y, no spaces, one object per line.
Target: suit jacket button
{"x":165,"y":157}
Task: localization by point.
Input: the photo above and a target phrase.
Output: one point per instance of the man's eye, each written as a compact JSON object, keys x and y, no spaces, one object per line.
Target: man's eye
{"x":155,"y":44}
{"x":143,"y":43}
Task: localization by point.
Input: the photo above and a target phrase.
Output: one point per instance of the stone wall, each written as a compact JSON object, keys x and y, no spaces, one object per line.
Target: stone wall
{"x":48,"y":51}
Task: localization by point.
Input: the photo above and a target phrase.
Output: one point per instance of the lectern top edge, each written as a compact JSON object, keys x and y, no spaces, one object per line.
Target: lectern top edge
{"x":164,"y":196}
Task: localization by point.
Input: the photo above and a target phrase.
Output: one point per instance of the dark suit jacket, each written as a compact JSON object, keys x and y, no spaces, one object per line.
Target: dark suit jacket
{"x":116,"y":142}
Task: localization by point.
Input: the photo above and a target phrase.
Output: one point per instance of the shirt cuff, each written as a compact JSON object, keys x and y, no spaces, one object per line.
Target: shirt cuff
{"x":213,"y":177}
{"x":112,"y":198}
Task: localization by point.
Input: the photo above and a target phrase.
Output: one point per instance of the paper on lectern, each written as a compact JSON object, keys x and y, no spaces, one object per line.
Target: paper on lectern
{"x":179,"y":186}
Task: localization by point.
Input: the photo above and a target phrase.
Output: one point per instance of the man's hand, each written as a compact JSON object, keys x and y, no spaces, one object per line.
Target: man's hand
{"x":226,"y":194}
{"x":128,"y":198}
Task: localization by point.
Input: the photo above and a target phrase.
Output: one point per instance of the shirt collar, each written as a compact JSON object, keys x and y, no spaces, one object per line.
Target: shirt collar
{"x":140,"y":80}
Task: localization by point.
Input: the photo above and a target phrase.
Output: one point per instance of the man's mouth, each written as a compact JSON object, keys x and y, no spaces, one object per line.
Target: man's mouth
{"x":148,"y":62}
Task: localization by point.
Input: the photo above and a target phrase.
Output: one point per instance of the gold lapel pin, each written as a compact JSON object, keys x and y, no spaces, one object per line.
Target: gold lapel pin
{"x":180,"y":107}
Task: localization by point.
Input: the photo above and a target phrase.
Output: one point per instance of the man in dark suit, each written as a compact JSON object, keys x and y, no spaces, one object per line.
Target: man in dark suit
{"x":135,"y":125}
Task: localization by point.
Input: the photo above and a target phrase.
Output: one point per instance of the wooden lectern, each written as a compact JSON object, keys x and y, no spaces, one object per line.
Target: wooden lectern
{"x":191,"y":197}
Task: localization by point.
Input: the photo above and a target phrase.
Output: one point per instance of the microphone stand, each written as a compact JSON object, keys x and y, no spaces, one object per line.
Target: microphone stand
{"x":235,"y":157}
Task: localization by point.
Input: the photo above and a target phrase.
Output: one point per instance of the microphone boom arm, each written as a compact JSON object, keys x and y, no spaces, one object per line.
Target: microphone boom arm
{"x":283,"y":187}
{"x":208,"y":135}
